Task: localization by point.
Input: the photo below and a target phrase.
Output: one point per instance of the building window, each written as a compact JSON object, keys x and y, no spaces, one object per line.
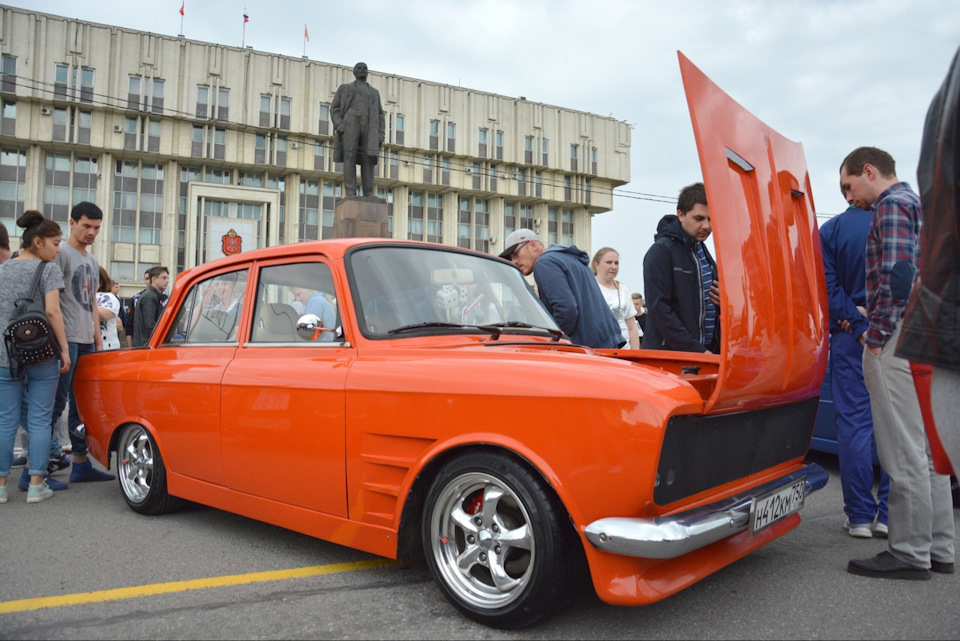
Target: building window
{"x":331,"y":191}
{"x":526,"y":216}
{"x":538,"y":184}
{"x":223,"y":104}
{"x":566,"y":226}
{"x":281,"y":157}
{"x":196,"y":144}
{"x":285,"y":108}
{"x":517,"y":216}
{"x":435,"y":218}
{"x":521,"y":181}
{"x":68,"y":180}
{"x":473,"y":224}
{"x":482,"y":140}
{"x":309,"y":210}
{"x":574,"y":153}
{"x":187,"y":176}
{"x":137,"y":203}
{"x":528,"y":150}
{"x":324,"y":127}
{"x":545,"y":160}
{"x":265,"y":103}
{"x":587,"y":185}
{"x":567,"y":188}
{"x":477,"y":176}
{"x":259,"y":148}
{"x":13,"y":182}
{"x":552,"y":223}
{"x":509,"y":218}
{"x":133,"y":92}
{"x":157,"y":106}
{"x":208,"y":142}
{"x":394,"y":165}
{"x":274,"y":112}
{"x":9,"y":126}
{"x":499,"y":142}
{"x":387,"y":195}
{"x":69,"y":81}
{"x":434,"y":134}
{"x":203,"y":101}
{"x":593,"y":160}
{"x":219,"y":143}
{"x":400,"y":129}
{"x":451,"y":137}
{"x":319,"y":157}
{"x":153,"y":135}
{"x":415,"y":215}
{"x":427,"y":168}
{"x":9,"y":71}
{"x":493,"y":177}
{"x":130,"y":132}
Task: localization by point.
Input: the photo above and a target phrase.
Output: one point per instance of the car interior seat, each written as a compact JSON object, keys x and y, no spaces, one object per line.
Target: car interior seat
{"x":277,"y":323}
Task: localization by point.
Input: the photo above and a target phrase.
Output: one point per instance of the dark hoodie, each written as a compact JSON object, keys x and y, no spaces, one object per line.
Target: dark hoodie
{"x":570,"y":292}
{"x":674,"y":295}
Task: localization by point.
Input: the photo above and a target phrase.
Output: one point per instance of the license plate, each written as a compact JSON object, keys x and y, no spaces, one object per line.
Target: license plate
{"x":776,"y":505}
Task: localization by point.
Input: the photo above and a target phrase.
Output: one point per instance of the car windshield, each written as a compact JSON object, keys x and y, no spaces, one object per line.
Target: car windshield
{"x":411,"y":290}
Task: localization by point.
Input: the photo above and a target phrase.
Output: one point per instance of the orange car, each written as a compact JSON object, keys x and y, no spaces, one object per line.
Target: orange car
{"x":418,"y":399}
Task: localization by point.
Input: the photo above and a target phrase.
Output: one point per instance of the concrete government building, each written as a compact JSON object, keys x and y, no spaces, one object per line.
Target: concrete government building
{"x":181,"y":141}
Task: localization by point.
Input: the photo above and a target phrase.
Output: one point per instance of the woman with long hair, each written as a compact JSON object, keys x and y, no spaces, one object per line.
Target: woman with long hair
{"x":36,"y":386}
{"x":108,"y":308}
{"x":606,"y":267}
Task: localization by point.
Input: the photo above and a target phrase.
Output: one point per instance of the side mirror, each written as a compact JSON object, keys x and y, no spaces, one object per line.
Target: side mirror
{"x":309,"y":327}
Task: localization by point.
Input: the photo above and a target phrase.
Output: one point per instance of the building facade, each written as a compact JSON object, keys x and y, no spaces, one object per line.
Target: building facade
{"x":182,"y":142}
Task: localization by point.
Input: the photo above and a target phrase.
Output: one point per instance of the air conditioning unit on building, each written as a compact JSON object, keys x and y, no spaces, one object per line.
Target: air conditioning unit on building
{"x":44,"y":111}
{"x":117,"y":129}
{"x":536,"y":221}
{"x":294,"y":145}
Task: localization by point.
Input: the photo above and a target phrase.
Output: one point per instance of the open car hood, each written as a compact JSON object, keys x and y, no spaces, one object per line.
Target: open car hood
{"x":774,"y":318}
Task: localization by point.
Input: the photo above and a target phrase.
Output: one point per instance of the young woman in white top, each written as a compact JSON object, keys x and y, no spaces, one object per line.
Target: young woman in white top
{"x":108,"y":307}
{"x":606,"y":266}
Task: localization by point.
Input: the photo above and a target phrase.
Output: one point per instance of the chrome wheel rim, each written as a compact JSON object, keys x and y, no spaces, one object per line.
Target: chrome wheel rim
{"x":135,"y":464}
{"x":482,"y":541}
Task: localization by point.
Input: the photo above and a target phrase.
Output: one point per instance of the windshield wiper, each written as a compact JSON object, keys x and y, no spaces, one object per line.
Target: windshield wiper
{"x":556,"y":333}
{"x":433,"y":324}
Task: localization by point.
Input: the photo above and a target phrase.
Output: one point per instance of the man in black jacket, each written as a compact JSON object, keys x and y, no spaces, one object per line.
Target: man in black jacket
{"x":149,"y":306}
{"x":680,"y":280}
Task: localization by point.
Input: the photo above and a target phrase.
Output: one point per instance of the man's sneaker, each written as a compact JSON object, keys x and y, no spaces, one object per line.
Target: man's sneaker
{"x":58,"y":463}
{"x":887,"y":566}
{"x":941,"y":567}
{"x":880,"y":529}
{"x":55,"y":485}
{"x":86,"y":473}
{"x":859,"y":530}
{"x":3,"y":493}
{"x":37,"y":493}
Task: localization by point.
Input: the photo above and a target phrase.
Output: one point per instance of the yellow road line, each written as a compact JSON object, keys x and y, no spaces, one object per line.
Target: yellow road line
{"x":23,"y":605}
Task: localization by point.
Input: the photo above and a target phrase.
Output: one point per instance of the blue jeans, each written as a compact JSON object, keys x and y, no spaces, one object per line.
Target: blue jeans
{"x":65,"y":395}
{"x":38,"y":386}
{"x":851,"y":406}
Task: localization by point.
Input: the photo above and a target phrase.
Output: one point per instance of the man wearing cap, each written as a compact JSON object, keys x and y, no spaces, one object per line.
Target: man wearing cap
{"x":567,"y":288}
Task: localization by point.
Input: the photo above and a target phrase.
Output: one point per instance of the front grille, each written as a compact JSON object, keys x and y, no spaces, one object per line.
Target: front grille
{"x":700,"y":452}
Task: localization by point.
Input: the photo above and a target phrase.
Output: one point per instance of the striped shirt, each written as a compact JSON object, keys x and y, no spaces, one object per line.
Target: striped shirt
{"x":893,"y":238}
{"x":709,"y":309}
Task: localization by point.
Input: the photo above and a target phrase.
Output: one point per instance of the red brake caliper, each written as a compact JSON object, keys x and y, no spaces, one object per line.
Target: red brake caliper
{"x":474,"y":508}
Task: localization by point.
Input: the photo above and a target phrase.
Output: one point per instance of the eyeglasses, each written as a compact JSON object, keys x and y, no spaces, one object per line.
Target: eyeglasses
{"x":516,"y":252}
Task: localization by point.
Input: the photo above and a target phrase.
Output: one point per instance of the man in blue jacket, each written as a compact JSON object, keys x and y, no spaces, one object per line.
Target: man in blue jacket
{"x":567,"y":288}
{"x":844,"y":242}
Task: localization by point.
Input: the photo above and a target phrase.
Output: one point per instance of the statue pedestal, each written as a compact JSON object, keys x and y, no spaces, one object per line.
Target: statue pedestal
{"x":360,"y":216}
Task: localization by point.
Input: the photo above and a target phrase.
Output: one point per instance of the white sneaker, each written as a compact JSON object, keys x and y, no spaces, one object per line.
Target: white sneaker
{"x":859,"y":531}
{"x":880,"y":529}
{"x":38,"y":493}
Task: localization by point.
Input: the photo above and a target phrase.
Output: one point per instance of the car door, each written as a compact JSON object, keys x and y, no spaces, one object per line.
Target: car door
{"x":180,"y":383}
{"x":282,"y":417}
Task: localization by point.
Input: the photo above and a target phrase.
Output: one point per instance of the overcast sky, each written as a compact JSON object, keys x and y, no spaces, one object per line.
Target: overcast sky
{"x":833,"y":75}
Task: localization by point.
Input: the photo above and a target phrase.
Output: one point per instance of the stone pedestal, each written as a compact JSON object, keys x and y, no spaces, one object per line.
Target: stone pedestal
{"x":360,"y":216}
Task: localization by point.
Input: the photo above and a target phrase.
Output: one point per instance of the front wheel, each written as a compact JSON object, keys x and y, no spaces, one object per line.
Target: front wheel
{"x":142,"y":474}
{"x":497,"y":542}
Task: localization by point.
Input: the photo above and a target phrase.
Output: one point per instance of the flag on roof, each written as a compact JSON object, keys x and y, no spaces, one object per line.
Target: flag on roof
{"x":181,"y":6}
{"x":246,"y":18}
{"x":306,"y":34}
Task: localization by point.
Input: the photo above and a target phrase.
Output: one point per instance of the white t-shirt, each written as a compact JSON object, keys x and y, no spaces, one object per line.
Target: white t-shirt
{"x":108,"y":328}
{"x":620,"y":303}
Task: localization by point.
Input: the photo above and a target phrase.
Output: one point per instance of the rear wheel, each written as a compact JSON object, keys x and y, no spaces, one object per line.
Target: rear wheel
{"x":142,"y":474}
{"x":497,"y":541}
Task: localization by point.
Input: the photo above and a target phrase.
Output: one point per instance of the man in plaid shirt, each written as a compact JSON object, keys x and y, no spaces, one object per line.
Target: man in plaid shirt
{"x":921,"y":532}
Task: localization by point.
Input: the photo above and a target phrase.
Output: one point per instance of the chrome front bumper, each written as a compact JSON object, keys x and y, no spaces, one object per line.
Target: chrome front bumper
{"x":672,"y":536}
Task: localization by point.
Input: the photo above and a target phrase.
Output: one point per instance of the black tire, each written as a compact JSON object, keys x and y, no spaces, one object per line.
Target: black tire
{"x":142,"y":474}
{"x":498,"y":542}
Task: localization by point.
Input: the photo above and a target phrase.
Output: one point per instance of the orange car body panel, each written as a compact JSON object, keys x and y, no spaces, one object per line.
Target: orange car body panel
{"x":332,"y":443}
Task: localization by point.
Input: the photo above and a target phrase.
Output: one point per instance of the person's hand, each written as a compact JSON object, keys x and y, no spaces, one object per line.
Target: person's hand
{"x":862,"y":310}
{"x":64,"y":361}
{"x":715,"y":293}
{"x":863,"y":339}
{"x":845,"y":325}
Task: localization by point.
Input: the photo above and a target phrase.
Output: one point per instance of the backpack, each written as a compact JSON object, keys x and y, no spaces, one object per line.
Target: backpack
{"x":29,"y":336}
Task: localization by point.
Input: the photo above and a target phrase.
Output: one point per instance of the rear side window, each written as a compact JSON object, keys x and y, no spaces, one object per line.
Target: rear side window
{"x":291,"y":293}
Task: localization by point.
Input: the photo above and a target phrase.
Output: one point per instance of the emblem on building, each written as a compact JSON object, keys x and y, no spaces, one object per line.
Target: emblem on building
{"x":232,"y":243}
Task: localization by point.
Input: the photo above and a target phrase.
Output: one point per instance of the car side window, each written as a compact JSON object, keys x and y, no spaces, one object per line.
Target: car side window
{"x":211,"y":311}
{"x":288,"y":294}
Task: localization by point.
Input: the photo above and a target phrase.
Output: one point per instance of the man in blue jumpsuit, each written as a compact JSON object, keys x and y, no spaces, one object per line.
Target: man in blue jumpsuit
{"x":844,"y":240}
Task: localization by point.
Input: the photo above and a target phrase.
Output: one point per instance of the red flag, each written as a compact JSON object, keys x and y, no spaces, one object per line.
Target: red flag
{"x":246,"y":18}
{"x":306,"y":34}
{"x":181,"y":6}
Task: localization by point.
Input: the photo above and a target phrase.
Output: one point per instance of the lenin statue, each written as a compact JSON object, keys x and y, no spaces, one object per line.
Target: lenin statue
{"x":358,"y":123}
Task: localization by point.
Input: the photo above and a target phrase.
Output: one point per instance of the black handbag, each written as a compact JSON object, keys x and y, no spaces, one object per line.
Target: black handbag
{"x":29,"y":337}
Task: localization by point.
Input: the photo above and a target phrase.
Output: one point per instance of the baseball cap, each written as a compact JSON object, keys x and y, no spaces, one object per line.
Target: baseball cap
{"x":514,"y":239}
